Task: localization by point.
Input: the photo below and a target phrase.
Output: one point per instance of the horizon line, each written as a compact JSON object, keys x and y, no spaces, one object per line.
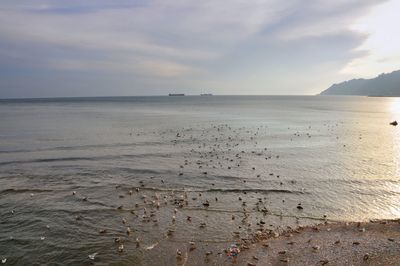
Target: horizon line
{"x":161,"y":95}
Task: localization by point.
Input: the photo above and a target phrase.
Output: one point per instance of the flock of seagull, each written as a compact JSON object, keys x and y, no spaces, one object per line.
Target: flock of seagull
{"x":220,"y":150}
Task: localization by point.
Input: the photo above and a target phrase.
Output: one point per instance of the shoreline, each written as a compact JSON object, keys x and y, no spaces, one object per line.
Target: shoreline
{"x":375,"y":242}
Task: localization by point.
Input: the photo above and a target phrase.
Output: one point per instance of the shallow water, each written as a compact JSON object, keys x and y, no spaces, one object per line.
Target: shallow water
{"x":337,"y":156}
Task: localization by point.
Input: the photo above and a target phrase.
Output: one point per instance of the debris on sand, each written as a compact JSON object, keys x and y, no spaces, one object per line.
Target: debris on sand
{"x":355,"y":248}
{"x":233,"y":251}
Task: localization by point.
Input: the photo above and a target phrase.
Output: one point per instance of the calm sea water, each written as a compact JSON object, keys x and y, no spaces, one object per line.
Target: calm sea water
{"x":77,"y":173}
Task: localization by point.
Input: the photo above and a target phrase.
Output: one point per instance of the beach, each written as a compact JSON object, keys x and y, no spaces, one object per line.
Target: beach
{"x":369,"y":243}
{"x":194,"y":180}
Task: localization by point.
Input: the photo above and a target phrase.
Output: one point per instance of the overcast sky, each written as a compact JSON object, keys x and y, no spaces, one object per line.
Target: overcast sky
{"x":153,"y":47}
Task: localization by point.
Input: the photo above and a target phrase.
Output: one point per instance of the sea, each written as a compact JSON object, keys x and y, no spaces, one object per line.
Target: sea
{"x":137,"y":180}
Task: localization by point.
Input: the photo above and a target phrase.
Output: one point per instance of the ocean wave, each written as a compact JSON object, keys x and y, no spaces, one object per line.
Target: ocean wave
{"x":24,"y":190}
{"x":255,"y":190}
{"x":85,"y":147}
{"x":87,"y":158}
{"x":48,"y":160}
{"x":142,"y":171}
{"x":223,"y":190}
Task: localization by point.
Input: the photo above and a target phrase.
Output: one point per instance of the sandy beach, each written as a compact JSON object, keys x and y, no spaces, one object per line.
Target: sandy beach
{"x":369,"y":243}
{"x":373,"y":243}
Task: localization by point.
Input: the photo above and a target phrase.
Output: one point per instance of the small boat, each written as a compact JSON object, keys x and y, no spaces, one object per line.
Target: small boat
{"x":206,"y":94}
{"x":176,"y":94}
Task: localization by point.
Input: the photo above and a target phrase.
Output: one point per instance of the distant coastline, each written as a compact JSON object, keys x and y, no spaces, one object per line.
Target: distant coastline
{"x":384,"y":85}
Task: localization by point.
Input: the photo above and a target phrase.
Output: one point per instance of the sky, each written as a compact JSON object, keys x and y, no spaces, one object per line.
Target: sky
{"x":57,"y":48}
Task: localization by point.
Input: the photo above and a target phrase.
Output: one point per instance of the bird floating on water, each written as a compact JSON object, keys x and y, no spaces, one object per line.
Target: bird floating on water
{"x":92,"y":256}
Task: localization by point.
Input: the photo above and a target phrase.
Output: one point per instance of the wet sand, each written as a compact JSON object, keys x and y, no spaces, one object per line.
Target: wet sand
{"x":338,"y":243}
{"x":371,"y":243}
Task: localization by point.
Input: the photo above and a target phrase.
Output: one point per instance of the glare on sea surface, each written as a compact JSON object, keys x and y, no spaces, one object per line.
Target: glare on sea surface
{"x":394,"y":110}
{"x":394,"y":105}
{"x":394,"y":207}
{"x":376,"y":160}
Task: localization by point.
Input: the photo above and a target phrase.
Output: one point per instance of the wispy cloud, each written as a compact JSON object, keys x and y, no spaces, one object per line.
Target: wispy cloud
{"x":382,"y":45}
{"x":230,"y":45}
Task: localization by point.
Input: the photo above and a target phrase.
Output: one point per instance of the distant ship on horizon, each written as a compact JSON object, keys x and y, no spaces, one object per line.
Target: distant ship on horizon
{"x":206,"y":94}
{"x":176,"y":94}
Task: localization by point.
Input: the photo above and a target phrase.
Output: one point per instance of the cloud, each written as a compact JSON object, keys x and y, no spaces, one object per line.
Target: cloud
{"x":381,"y":47}
{"x":162,"y":43}
{"x":156,"y":68}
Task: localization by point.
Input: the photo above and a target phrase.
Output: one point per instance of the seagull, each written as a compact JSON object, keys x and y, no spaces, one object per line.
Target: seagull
{"x":178,"y":253}
{"x":92,"y":256}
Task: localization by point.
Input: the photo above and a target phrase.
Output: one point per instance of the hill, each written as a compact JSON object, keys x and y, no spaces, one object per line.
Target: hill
{"x":382,"y":85}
